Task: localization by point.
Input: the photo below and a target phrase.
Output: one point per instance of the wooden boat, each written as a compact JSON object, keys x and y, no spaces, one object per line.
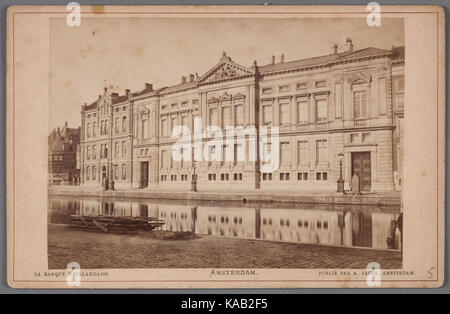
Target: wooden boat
{"x":114,"y":224}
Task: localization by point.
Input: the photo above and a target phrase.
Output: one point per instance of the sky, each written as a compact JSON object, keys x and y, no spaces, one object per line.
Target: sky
{"x":124,"y":52}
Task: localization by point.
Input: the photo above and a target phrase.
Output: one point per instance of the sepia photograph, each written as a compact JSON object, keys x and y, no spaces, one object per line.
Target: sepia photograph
{"x":226,"y":147}
{"x":282,"y":149}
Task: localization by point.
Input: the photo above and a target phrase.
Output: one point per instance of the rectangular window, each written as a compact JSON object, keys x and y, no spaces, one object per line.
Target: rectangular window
{"x":285,"y":176}
{"x":164,"y":127}
{"x":285,"y":153}
{"x":284,"y":88}
{"x":88,"y":173}
{"x":237,"y":177}
{"x":94,"y":173}
{"x":302,"y":111}
{"x":302,"y":176}
{"x":163,"y":159}
{"x":88,"y":130}
{"x":321,"y":108}
{"x":322,"y":151}
{"x":213,"y":118}
{"x":321,"y":176}
{"x":267,"y":176}
{"x":185,"y":121}
{"x":266,"y":90}
{"x":301,"y":86}
{"x":322,"y":83}
{"x":360,"y":104}
{"x":285,"y":113}
{"x":399,"y":91}
{"x":303,"y":152}
{"x":267,"y":114}
{"x":116,"y":149}
{"x":88,"y":153}
{"x":226,"y":116}
{"x":94,"y":152}
{"x":124,"y":172}
{"x":173,"y":123}
{"x":117,"y":124}
{"x":124,"y":124}
{"x":239,"y":115}
{"x":124,"y":149}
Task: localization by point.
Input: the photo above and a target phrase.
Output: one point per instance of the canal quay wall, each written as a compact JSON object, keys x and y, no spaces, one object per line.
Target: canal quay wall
{"x":322,"y":197}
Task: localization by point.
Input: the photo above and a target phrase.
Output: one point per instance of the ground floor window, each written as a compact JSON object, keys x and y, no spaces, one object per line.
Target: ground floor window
{"x":124,"y":172}
{"x":184,"y":177}
{"x":321,"y":176}
{"x":224,"y":177}
{"x":163,"y":177}
{"x":267,"y":177}
{"x":212,"y":177}
{"x":173,"y":177}
{"x":302,"y":176}
{"x":238,"y":177}
{"x":285,"y":176}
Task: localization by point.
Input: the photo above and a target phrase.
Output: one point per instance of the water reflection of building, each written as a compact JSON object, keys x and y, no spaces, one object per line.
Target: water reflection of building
{"x":345,"y":227}
{"x":177,"y":218}
{"x":228,"y":222}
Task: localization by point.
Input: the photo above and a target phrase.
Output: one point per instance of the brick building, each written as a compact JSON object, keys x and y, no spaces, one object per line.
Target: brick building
{"x":62,"y":156}
{"x":347,"y":103}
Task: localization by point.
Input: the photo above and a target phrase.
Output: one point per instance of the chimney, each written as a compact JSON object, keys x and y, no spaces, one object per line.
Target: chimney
{"x":282,"y":58}
{"x":114,"y":94}
{"x":183,"y":79}
{"x":273,"y":59}
{"x":149,"y":86}
{"x":99,"y":96}
{"x":334,"y":49}
{"x":349,"y":44}
{"x":127,"y":93}
{"x":65,"y":124}
{"x":191,"y":77}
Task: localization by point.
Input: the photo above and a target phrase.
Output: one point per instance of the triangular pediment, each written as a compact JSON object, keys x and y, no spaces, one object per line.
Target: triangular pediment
{"x":360,"y":78}
{"x":225,"y":69}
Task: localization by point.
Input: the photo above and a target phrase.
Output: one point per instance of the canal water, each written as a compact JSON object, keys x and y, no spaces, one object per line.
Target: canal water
{"x":321,"y":224}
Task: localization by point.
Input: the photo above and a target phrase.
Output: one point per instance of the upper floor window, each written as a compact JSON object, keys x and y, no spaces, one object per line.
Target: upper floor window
{"x":88,"y":130}
{"x":302,"y":85}
{"x":94,"y":129}
{"x":124,"y":124}
{"x":302,"y":111}
{"x":266,"y":90}
{"x":399,"y":91}
{"x":284,"y":88}
{"x":360,"y":104}
{"x":94,"y":152}
{"x":321,"y":151}
{"x":226,"y":116}
{"x":117,"y":125}
{"x":303,"y":152}
{"x":124,"y":149}
{"x":285,"y":112}
{"x":321,"y":109}
{"x":285,"y":152}
{"x":164,"y":127}
{"x":88,"y":153}
{"x":267,"y":114}
{"x":239,"y":114}
{"x":213,"y":117}
{"x":321,"y":83}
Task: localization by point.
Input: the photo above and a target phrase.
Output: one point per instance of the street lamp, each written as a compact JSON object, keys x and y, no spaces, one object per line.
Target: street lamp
{"x":340,"y":181}
{"x":194,"y":179}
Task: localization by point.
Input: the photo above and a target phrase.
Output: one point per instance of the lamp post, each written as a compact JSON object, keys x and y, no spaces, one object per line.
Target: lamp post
{"x":340,"y":181}
{"x":194,"y":179}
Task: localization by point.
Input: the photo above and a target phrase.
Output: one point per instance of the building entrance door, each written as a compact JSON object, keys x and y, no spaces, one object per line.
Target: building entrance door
{"x":362,"y":167}
{"x":144,"y":174}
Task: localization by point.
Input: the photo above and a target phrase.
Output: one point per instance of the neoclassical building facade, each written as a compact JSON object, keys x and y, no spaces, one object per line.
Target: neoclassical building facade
{"x":345,"y":107}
